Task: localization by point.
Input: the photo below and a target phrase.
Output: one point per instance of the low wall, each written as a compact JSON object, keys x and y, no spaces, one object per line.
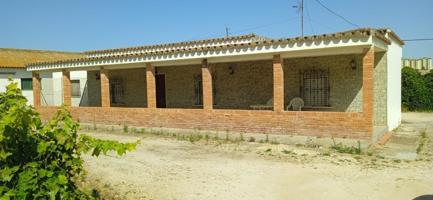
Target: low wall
{"x":327,"y":124}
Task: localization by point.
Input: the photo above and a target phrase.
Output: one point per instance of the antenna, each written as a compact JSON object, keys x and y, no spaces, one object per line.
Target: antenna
{"x":227,"y":31}
{"x":300,"y":8}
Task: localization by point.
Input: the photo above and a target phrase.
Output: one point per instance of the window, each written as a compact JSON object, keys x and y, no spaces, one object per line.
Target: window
{"x":75,"y":88}
{"x":198,"y":89}
{"x":26,"y":84}
{"x":116,"y":91}
{"x":315,"y":88}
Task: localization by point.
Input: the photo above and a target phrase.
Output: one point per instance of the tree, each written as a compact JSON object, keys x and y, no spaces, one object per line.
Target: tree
{"x":415,"y":93}
{"x":40,"y":161}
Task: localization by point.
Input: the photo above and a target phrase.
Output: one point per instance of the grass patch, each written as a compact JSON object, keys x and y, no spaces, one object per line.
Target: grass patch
{"x":422,"y":142}
{"x":341,"y":148}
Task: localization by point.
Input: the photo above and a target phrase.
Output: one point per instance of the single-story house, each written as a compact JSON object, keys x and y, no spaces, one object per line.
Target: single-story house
{"x":13,"y":65}
{"x":344,"y":84}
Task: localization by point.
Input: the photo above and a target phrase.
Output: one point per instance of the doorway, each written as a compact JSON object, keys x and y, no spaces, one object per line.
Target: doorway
{"x":160,"y":90}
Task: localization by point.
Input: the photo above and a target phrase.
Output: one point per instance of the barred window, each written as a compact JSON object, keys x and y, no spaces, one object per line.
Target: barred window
{"x":75,"y":88}
{"x":198,"y":89}
{"x":116,"y":91}
{"x":315,"y":87}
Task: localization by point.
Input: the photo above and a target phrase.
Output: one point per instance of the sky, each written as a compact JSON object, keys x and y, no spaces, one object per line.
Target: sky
{"x":81,"y":25}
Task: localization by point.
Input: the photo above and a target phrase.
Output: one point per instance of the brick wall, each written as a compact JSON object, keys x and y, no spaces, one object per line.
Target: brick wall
{"x":336,"y":124}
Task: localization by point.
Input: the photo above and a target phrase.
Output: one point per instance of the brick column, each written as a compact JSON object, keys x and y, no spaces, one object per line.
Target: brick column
{"x":105,"y":88}
{"x":36,"y":82}
{"x":66,"y":86}
{"x":151,"y":86}
{"x":278,"y":83}
{"x":368,"y":84}
{"x":206,"y":75}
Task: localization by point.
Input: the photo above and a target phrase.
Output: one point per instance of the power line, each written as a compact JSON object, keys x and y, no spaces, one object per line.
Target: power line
{"x":309,"y":20}
{"x":418,"y":39}
{"x":336,"y":14}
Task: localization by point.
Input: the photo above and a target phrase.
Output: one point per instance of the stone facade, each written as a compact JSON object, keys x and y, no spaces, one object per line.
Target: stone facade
{"x":179,"y":85}
{"x":380,"y":89}
{"x":345,"y":82}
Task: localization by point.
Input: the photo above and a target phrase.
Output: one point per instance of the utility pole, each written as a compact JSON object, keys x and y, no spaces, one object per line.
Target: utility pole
{"x":227,"y":31}
{"x":300,"y":8}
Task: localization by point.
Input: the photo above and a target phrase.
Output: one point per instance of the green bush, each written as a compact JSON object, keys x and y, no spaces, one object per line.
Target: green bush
{"x":41,"y":161}
{"x":417,"y":90}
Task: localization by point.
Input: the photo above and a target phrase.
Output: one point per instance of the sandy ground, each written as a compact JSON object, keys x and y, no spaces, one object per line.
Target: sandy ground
{"x":166,"y":168}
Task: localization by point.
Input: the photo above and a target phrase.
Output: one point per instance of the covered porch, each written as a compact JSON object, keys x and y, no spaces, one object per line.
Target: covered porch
{"x":234,"y":90}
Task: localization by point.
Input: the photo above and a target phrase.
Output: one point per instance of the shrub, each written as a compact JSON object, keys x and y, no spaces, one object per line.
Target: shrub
{"x":41,"y":161}
{"x":416,"y":90}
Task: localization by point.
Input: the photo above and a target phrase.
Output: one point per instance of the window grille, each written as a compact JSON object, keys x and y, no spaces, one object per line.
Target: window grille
{"x":198,"y":89}
{"x":315,"y":87}
{"x":116,"y":91}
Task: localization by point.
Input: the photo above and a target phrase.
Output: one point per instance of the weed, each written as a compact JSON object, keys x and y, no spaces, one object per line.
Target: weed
{"x":227,"y":137}
{"x":142,"y":130}
{"x":422,"y":142}
{"x":206,"y":137}
{"x":268,"y":150}
{"x":216,"y":137}
{"x":267,"y":138}
{"x":125,"y":128}
{"x":112,"y":128}
{"x":251,"y":139}
{"x":341,"y":148}
{"x":325,"y":154}
{"x":285,"y":151}
{"x":241,"y":137}
{"x":95,"y":127}
{"x":133,"y":130}
{"x":275,"y":142}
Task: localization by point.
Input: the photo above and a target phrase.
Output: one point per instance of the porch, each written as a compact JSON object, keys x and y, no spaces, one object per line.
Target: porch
{"x":246,"y":95}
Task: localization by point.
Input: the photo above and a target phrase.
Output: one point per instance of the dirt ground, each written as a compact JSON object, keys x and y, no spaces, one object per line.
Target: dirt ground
{"x":170,"y":168}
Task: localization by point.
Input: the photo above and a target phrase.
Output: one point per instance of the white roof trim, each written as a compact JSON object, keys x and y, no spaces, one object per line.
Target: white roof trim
{"x":283,"y":49}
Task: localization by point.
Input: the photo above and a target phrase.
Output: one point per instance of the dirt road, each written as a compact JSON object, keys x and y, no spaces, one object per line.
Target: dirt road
{"x":166,"y":168}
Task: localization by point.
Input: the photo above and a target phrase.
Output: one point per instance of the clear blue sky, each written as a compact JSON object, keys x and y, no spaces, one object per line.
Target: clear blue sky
{"x":97,"y":24}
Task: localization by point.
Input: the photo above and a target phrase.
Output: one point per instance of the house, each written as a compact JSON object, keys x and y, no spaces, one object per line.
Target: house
{"x":13,"y":65}
{"x":349,"y":84}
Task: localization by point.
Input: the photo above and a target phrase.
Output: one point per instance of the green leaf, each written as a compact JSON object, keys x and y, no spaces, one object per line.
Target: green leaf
{"x":62,"y":179}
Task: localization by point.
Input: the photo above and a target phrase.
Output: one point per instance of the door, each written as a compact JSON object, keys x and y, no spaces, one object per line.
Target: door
{"x":160,"y":90}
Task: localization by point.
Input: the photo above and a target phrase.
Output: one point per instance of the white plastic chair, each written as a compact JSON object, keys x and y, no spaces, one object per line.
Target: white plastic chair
{"x":296,"y":103}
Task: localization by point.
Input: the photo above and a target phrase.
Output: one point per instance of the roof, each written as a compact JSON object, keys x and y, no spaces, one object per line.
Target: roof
{"x":178,"y":45}
{"x":229,"y":43}
{"x":18,"y":58}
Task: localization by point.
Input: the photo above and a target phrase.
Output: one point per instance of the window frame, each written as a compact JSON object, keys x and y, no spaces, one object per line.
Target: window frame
{"x":76,"y":93}
{"x":26,"y":88}
{"x":318,"y":86}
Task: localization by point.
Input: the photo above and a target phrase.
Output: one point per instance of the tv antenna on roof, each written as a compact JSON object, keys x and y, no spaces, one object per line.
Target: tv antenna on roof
{"x":300,"y":8}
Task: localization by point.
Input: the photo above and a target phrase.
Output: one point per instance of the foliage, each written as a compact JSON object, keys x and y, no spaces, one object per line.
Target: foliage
{"x":40,"y":161}
{"x":341,"y":148}
{"x":417,"y":90}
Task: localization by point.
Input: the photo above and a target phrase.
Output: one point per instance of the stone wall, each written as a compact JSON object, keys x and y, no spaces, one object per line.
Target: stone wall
{"x":133,"y":82}
{"x":345,"y":83}
{"x":242,"y":84}
{"x":179,"y":85}
{"x":380,"y":90}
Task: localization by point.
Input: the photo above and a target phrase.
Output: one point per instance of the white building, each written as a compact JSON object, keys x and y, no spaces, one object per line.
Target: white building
{"x":12,"y":65}
{"x":417,"y":63}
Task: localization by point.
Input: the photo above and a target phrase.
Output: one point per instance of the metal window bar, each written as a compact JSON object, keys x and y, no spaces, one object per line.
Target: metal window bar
{"x":198,"y":90}
{"x":315,"y":87}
